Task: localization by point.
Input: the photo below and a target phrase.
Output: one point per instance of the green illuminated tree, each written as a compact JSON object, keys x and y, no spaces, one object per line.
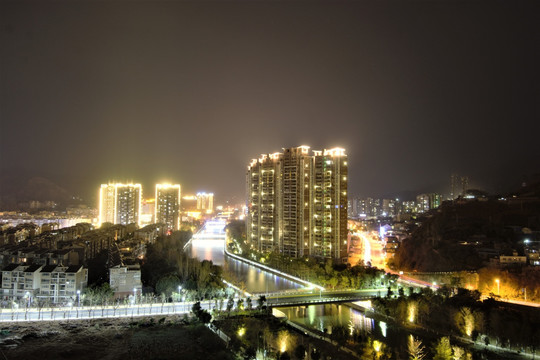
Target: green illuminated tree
{"x":443,"y":349}
{"x":415,"y":349}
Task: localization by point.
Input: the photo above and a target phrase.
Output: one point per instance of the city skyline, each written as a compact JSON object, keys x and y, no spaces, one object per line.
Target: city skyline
{"x":414,"y":92}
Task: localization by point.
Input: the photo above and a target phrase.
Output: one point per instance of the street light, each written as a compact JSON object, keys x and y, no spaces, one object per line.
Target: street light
{"x":79,"y":298}
{"x":179,"y":290}
{"x":498,"y":287}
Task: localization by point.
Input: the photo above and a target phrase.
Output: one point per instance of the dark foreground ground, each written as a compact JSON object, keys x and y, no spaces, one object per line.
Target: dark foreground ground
{"x":140,"y":338}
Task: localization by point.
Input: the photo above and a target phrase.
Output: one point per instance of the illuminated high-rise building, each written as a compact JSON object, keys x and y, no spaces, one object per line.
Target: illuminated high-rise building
{"x":294,"y":210}
{"x":167,"y":206}
{"x":297,"y":203}
{"x":329,"y":204}
{"x":120,"y":203}
{"x":263,"y":188}
{"x":205,"y":202}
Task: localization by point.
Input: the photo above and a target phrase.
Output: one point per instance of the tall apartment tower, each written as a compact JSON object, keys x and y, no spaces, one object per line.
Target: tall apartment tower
{"x":120,"y":203}
{"x":329,"y":204}
{"x":297,"y":203}
{"x":263,"y":188}
{"x":205,"y":202}
{"x":294,"y":212}
{"x":167,"y":206}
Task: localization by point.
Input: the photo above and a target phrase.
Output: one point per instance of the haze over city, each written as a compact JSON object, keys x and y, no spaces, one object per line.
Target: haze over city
{"x":191,"y":92}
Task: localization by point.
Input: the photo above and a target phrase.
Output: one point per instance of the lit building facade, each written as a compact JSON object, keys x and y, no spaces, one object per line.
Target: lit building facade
{"x":125,"y":280}
{"x":205,"y":202}
{"x":167,"y":206}
{"x":426,"y":202}
{"x":120,"y":203}
{"x":263,"y":188}
{"x":297,"y":203}
{"x":329,"y":204}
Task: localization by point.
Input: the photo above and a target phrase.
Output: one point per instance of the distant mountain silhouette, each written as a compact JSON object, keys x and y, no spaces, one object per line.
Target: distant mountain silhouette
{"x":14,"y":191}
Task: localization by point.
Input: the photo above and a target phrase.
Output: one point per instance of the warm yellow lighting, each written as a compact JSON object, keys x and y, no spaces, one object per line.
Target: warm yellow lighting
{"x":412,"y":311}
{"x":334,"y":152}
{"x":241,"y":331}
{"x":377,"y":345}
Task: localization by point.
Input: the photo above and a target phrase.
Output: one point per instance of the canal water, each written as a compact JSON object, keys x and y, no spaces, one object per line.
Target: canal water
{"x":318,"y":317}
{"x":254,"y":279}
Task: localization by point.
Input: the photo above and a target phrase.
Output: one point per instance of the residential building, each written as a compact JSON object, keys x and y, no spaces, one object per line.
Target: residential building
{"x":58,"y":284}
{"x":120,"y":203}
{"x":205,"y":202}
{"x":427,"y":202}
{"x":167,"y":206}
{"x":329,"y":204}
{"x":295,"y":189}
{"x":62,"y":284}
{"x":125,"y":280}
{"x":263,"y":188}
{"x":297,"y":203}
{"x":19,"y":281}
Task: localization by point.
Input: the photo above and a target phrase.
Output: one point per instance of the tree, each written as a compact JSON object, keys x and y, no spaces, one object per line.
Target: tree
{"x":240,"y":304}
{"x":415,"y":349}
{"x":205,"y":317}
{"x":250,"y":353}
{"x":300,"y":352}
{"x":167,"y":284}
{"x":260,"y":302}
{"x":458,"y":353}
{"x":465,"y":321}
{"x":248,"y":304}
{"x":230,"y":304}
{"x":196,"y":308}
{"x":284,"y":356}
{"x":99,"y":294}
{"x":443,"y":350}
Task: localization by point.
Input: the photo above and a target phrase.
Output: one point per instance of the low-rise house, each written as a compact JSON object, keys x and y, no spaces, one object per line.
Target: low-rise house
{"x":125,"y":280}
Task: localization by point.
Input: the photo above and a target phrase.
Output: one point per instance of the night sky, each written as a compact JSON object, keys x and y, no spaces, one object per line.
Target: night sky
{"x":190,"y":92}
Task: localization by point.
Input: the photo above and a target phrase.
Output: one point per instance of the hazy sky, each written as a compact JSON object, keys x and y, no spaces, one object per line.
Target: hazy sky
{"x":190,"y":92}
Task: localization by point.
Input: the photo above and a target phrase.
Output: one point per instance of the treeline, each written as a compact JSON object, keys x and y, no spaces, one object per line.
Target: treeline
{"x":518,"y":283}
{"x":330,"y":275}
{"x":463,"y":314}
{"x":166,"y":267}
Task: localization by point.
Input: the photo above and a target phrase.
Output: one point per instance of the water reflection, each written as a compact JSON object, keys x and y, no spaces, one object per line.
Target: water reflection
{"x":254,"y":279}
{"x":325,"y":317}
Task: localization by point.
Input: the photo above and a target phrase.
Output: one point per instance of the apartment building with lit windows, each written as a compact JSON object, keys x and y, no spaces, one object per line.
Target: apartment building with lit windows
{"x":205,"y":202}
{"x":263,"y":187}
{"x":167,"y":205}
{"x":297,"y":203}
{"x":329,"y":204}
{"x":120,"y":203}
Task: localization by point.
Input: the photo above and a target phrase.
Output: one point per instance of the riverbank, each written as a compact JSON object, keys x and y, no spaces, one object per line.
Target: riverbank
{"x":271,"y":270}
{"x":430,"y":334}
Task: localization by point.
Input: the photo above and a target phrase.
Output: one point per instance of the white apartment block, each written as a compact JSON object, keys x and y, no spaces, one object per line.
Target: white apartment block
{"x":125,"y":280}
{"x":59,"y":284}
